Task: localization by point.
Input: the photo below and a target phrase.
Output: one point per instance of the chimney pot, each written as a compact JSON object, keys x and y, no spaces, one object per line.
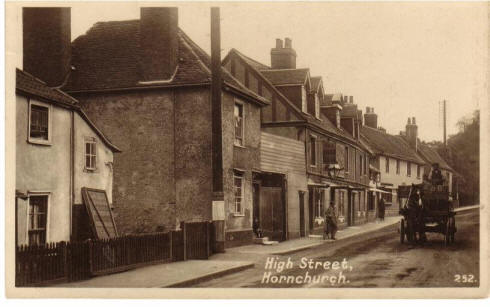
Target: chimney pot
{"x":158,"y":42}
{"x":283,"y":57}
{"x":288,"y":43}
{"x":351,"y":99}
{"x":278,"y":43}
{"x":408,"y":121}
{"x":413,"y":120}
{"x":367,"y":110}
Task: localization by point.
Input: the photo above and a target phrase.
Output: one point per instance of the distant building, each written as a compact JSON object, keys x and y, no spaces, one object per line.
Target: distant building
{"x":396,"y":162}
{"x":58,"y":151}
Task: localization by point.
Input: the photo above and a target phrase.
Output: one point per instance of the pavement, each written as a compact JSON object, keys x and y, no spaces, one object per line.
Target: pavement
{"x":175,"y":274}
{"x":187,"y":273}
{"x":295,"y":245}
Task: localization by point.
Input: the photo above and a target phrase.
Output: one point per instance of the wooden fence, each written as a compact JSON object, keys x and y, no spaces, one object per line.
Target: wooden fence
{"x":70,"y":261}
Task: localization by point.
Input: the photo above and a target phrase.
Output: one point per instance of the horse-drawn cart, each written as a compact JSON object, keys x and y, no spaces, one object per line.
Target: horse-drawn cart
{"x":428,"y":209}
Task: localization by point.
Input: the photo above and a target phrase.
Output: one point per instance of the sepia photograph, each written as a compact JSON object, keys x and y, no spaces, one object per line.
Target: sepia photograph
{"x":246,"y":145}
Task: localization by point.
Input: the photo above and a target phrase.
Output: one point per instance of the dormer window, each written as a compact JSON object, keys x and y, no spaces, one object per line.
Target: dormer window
{"x":317,"y":106}
{"x":304,"y":100}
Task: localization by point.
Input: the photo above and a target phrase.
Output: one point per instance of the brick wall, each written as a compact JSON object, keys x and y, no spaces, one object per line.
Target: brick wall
{"x":142,"y":126}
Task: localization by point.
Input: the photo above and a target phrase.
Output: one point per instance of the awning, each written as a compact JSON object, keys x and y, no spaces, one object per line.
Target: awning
{"x":378,"y":190}
{"x":315,"y":184}
{"x":373,"y":168}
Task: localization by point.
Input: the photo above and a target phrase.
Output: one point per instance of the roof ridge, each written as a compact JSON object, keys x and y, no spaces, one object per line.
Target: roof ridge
{"x":251,"y":59}
{"x":283,"y":69}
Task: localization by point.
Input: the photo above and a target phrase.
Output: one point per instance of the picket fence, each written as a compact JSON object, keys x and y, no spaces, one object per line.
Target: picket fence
{"x":71,"y":261}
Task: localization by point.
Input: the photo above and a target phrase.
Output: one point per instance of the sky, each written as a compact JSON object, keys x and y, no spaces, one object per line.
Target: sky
{"x":400,"y":58}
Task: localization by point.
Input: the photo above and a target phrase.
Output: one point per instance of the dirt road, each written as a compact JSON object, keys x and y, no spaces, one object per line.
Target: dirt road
{"x":376,"y":259}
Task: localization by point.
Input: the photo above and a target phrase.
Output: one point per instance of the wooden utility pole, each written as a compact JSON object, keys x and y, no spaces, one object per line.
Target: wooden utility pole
{"x":444,"y":122}
{"x":218,"y":205}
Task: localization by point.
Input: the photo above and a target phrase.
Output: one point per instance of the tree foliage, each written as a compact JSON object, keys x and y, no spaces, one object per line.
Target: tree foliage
{"x":463,"y":155}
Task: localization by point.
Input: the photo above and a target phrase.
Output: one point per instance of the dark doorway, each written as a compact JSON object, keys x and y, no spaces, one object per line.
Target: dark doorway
{"x":302,"y":230}
{"x":310,"y":209}
{"x":256,"y":205}
{"x":272,"y":212}
{"x":350,"y":209}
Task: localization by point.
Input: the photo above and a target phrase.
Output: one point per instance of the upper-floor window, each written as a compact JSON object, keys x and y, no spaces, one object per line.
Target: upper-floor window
{"x":387,"y":165}
{"x":361,"y":167}
{"x":418,"y":171}
{"x":329,"y":152}
{"x":317,"y":106}
{"x":238,"y":187}
{"x":346,"y":159}
{"x":38,"y":209}
{"x":239,"y":125}
{"x":409,"y":169}
{"x":397,"y":167}
{"x":312,"y":150}
{"x":90,"y":154}
{"x":39,"y":122}
{"x":304,"y":100}
{"x":366,"y":163}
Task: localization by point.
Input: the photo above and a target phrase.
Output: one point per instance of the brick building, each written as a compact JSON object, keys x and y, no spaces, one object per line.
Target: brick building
{"x":396,"y":162}
{"x":148,"y":86}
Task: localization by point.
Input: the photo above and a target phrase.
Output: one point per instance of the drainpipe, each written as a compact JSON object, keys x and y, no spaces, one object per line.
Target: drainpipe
{"x":72,"y":170}
{"x":218,"y":204}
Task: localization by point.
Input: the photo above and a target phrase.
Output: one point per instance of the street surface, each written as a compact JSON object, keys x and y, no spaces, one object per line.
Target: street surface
{"x":376,"y":259}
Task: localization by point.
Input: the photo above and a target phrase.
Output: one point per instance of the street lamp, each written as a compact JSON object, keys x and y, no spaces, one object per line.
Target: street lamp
{"x":334,"y":170}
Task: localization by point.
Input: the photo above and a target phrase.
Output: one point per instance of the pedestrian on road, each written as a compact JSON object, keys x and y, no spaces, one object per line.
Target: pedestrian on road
{"x":381,"y":209}
{"x":331,"y":221}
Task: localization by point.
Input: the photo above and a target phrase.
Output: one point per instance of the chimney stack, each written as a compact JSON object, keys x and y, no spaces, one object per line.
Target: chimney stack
{"x":159,"y":43}
{"x":411,"y":133}
{"x":278,"y":43}
{"x":47,"y":43}
{"x":283,"y":57}
{"x":371,"y":118}
{"x":351,"y":99}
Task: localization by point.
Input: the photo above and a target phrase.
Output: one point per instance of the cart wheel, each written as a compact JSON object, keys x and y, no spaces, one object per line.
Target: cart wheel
{"x":402,"y":231}
{"x":453,"y":229}
{"x":447,"y":234}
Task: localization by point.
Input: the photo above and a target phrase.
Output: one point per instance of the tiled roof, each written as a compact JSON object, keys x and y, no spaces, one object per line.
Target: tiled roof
{"x":32,"y":86}
{"x":286,"y":76}
{"x":107,"y":57}
{"x":323,"y":124}
{"x":431,"y":155}
{"x":28,"y":84}
{"x":256,"y":64}
{"x":390,"y":145}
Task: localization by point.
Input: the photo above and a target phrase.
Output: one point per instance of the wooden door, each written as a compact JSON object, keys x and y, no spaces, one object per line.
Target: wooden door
{"x":311,"y":213}
{"x":302,"y":230}
{"x":256,"y":203}
{"x":272,"y":213}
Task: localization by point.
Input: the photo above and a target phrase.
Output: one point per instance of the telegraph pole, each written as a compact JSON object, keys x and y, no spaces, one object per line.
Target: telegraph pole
{"x":218,"y":204}
{"x":444,"y":122}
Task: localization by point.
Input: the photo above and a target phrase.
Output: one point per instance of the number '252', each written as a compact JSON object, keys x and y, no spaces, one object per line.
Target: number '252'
{"x":465,"y":278}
